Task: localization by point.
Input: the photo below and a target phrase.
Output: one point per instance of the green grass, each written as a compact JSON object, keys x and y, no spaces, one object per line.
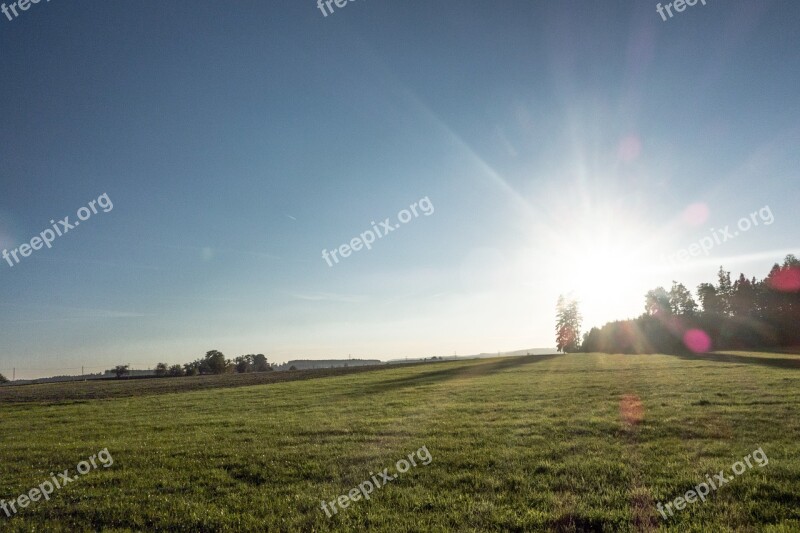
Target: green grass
{"x":520,"y":444}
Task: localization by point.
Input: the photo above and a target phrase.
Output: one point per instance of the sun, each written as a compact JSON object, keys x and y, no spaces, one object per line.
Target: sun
{"x":602,"y":262}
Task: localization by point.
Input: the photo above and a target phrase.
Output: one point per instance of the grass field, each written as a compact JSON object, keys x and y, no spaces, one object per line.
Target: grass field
{"x":564,"y":442}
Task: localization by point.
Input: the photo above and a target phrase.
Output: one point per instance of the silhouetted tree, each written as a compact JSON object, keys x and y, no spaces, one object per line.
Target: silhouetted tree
{"x":3,"y":379}
{"x":745,"y":314}
{"x":591,"y":341}
{"x":681,"y":302}
{"x":709,"y":300}
{"x":121,"y":370}
{"x":161,"y":369}
{"x":743,"y":298}
{"x":724,"y":291}
{"x":175,"y":371}
{"x":656,"y":302}
{"x":781,"y":297}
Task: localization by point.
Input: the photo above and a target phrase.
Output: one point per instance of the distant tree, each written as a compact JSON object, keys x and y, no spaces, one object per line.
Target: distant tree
{"x":121,"y":370}
{"x":743,"y":297}
{"x":260,"y":363}
{"x":215,"y":362}
{"x":568,"y":324}
{"x":292,"y":367}
{"x":175,"y":371}
{"x":681,"y":302}
{"x":192,"y":369}
{"x":780,"y":297}
{"x":724,"y":291}
{"x":243,"y":364}
{"x":657,"y":302}
{"x":3,"y":379}
{"x":198,"y":367}
{"x":161,"y":369}
{"x":591,"y":341}
{"x":709,"y":300}
{"x":744,"y":315}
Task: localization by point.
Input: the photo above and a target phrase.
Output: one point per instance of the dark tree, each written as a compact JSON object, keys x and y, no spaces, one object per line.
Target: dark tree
{"x":709,"y":300}
{"x":3,"y":379}
{"x":747,"y":314}
{"x":121,"y":370}
{"x":260,"y":363}
{"x":244,"y":363}
{"x":161,"y":369}
{"x":215,"y":362}
{"x":681,"y":302}
{"x":192,"y":369}
{"x":175,"y":371}
{"x":743,"y":298}
{"x":724,"y":290}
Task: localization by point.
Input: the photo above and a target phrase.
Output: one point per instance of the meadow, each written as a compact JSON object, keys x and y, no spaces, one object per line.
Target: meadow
{"x":580,"y":442}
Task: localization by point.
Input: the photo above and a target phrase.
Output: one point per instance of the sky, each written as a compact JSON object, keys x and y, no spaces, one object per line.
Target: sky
{"x":557,"y":147}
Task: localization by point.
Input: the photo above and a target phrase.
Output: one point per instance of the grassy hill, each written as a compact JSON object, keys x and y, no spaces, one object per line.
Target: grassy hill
{"x":559,"y":442}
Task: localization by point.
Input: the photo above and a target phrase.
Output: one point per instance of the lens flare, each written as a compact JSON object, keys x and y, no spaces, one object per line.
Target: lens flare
{"x":697,"y":341}
{"x":696,"y":214}
{"x":787,"y":280}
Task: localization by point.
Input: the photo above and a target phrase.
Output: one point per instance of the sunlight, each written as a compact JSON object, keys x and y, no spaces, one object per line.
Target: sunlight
{"x":600,"y":261}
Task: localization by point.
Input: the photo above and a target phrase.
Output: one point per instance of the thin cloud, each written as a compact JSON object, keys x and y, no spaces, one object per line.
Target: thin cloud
{"x":83,"y":314}
{"x":330,"y":297}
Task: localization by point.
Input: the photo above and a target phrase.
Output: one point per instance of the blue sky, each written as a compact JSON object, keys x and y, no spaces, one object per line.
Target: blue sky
{"x":560,"y":143}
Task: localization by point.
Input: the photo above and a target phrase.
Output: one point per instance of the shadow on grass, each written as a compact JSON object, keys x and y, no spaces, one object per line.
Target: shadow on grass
{"x":446,"y":374}
{"x":795,"y":350}
{"x":742,"y":359}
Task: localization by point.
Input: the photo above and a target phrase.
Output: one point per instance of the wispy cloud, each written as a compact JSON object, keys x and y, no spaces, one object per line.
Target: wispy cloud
{"x":95,"y":262}
{"x":68,"y":314}
{"x":79,"y":318}
{"x":197,"y":298}
{"x":331,"y":297}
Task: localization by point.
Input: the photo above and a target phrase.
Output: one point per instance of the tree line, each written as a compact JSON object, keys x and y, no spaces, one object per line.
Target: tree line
{"x":743,"y":314}
{"x":214,"y":362}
